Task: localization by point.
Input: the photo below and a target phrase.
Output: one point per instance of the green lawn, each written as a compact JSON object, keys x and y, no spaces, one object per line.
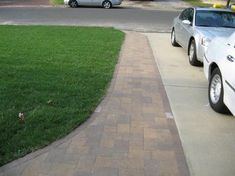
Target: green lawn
{"x":56,"y":2}
{"x":56,"y":76}
{"x":198,"y":3}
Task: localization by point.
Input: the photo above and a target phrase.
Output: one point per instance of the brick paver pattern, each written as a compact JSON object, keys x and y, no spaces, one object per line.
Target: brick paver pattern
{"x":129,"y":134}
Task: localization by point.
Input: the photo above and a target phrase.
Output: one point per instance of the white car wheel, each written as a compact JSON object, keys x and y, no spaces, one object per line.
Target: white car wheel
{"x":73,"y":3}
{"x":107,"y":4}
{"x":216,"y":92}
{"x":173,"y":39}
{"x":192,"y":54}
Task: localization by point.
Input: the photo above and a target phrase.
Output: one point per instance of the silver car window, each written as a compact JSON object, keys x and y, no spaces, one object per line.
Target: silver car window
{"x":184,"y":14}
{"x":215,"y":19}
{"x":190,"y":17}
{"x":187,"y":14}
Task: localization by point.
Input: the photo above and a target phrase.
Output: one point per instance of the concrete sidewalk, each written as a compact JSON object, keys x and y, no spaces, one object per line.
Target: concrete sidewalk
{"x":131,"y":133}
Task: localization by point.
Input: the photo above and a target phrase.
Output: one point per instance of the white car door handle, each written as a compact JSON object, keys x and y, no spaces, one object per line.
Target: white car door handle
{"x":230,"y":58}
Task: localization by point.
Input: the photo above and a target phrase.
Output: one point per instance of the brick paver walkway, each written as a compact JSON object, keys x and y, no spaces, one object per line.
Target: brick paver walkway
{"x":130,"y":134}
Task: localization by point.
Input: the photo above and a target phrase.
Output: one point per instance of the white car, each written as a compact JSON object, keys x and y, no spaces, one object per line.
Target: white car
{"x":195,"y":27}
{"x":219,"y":68}
{"x":104,"y":3}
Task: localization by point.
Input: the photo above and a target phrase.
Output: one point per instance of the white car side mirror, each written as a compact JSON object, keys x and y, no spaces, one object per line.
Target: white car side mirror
{"x":187,"y":22}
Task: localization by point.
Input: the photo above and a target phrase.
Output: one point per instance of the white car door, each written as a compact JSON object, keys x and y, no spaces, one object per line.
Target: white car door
{"x":97,"y":2}
{"x":229,"y":74}
{"x":187,"y":29}
{"x":84,"y":2}
{"x":178,"y":27}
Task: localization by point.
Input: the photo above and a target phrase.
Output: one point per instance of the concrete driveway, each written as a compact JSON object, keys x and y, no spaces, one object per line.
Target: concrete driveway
{"x":207,"y":137}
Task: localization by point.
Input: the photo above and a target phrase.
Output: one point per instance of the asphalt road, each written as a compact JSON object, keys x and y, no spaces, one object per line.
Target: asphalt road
{"x":121,"y":18}
{"x":23,"y":2}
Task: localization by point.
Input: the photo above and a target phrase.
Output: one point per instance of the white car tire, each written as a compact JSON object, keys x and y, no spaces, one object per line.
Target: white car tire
{"x":216,"y":92}
{"x":173,"y":39}
{"x":73,"y":3}
{"x":107,"y":4}
{"x":192,"y":54}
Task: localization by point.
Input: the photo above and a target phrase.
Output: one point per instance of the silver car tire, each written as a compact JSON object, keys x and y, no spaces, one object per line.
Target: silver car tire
{"x":73,"y":3}
{"x":107,"y":4}
{"x":216,"y":92}
{"x":192,"y":54}
{"x":173,"y":39}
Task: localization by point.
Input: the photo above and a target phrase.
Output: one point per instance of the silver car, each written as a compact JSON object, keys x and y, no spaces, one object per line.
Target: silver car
{"x":104,"y":3}
{"x":194,"y":28}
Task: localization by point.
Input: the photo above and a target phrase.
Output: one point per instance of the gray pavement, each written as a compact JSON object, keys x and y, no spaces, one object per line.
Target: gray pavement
{"x":131,"y":133}
{"x":157,"y":4}
{"x":146,"y":4}
{"x":121,"y":18}
{"x":23,"y":2}
{"x":207,"y":137}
